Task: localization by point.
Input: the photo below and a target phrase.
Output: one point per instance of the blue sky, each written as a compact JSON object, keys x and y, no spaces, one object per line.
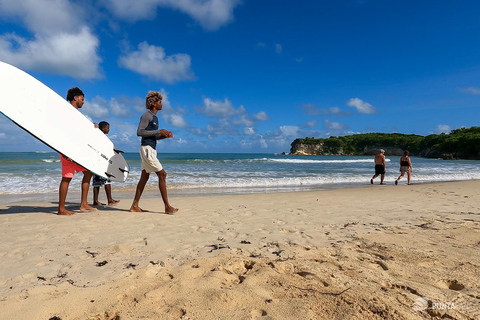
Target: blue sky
{"x":251,"y":75}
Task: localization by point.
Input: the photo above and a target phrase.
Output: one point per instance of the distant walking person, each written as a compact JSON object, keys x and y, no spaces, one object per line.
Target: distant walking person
{"x":380,"y":166}
{"x":148,"y":130}
{"x":100,"y":181}
{"x":405,"y":166}
{"x":76,"y":98}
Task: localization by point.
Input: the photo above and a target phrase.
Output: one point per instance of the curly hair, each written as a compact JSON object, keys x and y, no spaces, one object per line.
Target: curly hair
{"x":152,"y":98}
{"x":74,"y":92}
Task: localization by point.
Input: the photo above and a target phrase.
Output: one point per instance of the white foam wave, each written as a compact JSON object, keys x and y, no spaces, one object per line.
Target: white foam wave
{"x":325,"y":161}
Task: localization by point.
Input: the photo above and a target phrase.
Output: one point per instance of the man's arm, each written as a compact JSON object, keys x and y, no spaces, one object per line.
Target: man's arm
{"x":144,"y":121}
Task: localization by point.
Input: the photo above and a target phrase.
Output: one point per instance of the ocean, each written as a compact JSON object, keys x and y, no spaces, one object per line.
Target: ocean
{"x":26,"y":174}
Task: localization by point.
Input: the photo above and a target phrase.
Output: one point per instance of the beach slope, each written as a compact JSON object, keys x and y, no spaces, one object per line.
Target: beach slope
{"x":376,"y":252}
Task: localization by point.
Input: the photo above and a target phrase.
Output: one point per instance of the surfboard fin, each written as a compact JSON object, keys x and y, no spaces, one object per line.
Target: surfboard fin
{"x":124,"y":170}
{"x":109,"y":175}
{"x":118,"y":151}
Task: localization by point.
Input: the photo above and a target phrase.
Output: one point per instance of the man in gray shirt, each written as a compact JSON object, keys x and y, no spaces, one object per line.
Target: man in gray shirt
{"x":148,"y":130}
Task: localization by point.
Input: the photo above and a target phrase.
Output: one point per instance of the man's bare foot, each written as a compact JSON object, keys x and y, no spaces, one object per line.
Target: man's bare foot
{"x":170,"y":210}
{"x":113,"y":202}
{"x":65,"y":212}
{"x":98,"y":203}
{"x":137,"y":209}
{"x":87,"y":208}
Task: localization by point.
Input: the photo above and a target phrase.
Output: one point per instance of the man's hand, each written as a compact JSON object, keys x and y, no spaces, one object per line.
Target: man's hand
{"x":166,"y":133}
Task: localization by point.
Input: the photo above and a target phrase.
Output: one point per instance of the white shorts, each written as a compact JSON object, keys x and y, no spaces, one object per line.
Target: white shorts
{"x":150,"y":162}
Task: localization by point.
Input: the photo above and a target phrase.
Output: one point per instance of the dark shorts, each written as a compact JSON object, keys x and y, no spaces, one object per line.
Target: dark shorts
{"x":379,"y":169}
{"x":99,"y":181}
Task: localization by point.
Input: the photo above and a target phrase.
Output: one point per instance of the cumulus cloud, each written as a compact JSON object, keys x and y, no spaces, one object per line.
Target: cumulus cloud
{"x":471,"y":90}
{"x":289,"y":131}
{"x":261,"y":116}
{"x":222,"y":127}
{"x":177,"y":121}
{"x":54,"y":32}
{"x":210,"y":14}
{"x":97,"y":108}
{"x":151,"y":61}
{"x":442,"y":128}
{"x":249,"y":131}
{"x":361,"y":106}
{"x":119,"y":109}
{"x":334,"y":125}
{"x":219,"y":109}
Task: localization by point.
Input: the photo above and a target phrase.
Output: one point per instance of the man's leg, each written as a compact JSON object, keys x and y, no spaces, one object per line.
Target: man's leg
{"x":96,"y":191}
{"x":84,"y":206}
{"x":382,"y":177}
{"x":108,"y":191}
{"x":63,"y":190}
{"x":162,"y":185}
{"x":138,"y":193}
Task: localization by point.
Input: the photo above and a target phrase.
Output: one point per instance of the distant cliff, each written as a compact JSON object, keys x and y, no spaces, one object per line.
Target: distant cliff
{"x":459,"y":144}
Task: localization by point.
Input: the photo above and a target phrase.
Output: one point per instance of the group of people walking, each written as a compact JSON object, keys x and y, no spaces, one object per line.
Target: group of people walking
{"x":381,"y":167}
{"x":148,"y":130}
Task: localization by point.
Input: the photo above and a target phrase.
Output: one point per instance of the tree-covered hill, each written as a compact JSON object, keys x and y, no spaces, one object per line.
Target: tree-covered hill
{"x":463,"y":143}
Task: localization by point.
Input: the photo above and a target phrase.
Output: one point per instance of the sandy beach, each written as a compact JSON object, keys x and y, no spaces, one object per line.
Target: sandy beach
{"x":375,"y":252}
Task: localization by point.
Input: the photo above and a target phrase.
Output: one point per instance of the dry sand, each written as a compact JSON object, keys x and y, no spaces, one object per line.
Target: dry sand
{"x":378,"y":252}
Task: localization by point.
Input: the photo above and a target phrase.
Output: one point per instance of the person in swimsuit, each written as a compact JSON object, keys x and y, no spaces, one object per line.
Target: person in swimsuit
{"x":405,"y":166}
{"x":148,"y":130}
{"x":380,"y":166}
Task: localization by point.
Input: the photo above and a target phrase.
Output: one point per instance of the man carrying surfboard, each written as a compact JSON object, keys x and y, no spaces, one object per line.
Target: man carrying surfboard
{"x":76,"y":98}
{"x":148,"y":130}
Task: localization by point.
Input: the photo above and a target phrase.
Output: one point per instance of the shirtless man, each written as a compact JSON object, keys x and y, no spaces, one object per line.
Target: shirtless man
{"x":380,"y":166}
{"x":76,"y":98}
{"x":148,"y":130}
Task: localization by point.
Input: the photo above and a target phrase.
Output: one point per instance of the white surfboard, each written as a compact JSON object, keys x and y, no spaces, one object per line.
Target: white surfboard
{"x":51,"y":119}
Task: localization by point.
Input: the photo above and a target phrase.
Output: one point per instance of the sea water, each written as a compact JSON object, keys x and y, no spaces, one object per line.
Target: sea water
{"x":31,"y":173}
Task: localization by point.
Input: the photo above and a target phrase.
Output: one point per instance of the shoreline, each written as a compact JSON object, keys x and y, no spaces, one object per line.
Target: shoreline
{"x":367,"y":253}
{"x":151,"y":191}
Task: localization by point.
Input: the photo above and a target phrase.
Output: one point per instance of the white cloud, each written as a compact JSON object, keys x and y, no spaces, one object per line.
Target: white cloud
{"x":210,"y":14}
{"x":55,"y":30}
{"x":261,"y":116}
{"x":177,"y":121}
{"x":119,"y":109}
{"x":289,"y":131}
{"x":471,"y":90}
{"x":151,"y":61}
{"x":44,"y":16}
{"x":334,"y":125}
{"x":222,"y":127}
{"x":361,"y":106}
{"x":54,"y":54}
{"x":442,"y":128}
{"x":249,"y":131}
{"x":311,"y":124}
{"x":97,"y":108}
{"x":219,"y":109}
